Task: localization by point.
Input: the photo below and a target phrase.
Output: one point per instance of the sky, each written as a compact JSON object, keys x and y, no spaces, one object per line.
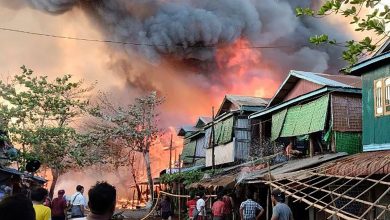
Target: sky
{"x":192,"y":79}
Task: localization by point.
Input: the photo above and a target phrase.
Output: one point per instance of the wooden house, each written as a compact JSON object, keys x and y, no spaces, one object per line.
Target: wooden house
{"x":314,"y":112}
{"x":375,"y":73}
{"x":194,"y":149}
{"x":232,"y":133}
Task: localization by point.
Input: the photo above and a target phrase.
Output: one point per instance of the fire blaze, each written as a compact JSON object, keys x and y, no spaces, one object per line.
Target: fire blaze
{"x":237,"y":72}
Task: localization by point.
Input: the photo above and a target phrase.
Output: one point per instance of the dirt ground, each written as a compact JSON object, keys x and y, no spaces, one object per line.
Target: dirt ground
{"x":136,"y":214}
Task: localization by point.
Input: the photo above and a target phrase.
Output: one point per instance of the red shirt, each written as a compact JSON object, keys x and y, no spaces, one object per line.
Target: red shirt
{"x":228,"y":205}
{"x":218,"y":208}
{"x":58,"y":206}
{"x":191,"y":204}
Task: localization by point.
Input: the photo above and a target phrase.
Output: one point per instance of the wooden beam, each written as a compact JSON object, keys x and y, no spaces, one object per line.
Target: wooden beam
{"x":315,"y":205}
{"x":311,"y":145}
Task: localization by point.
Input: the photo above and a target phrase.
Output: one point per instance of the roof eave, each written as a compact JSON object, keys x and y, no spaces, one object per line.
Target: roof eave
{"x":357,"y":69}
{"x":303,"y":97}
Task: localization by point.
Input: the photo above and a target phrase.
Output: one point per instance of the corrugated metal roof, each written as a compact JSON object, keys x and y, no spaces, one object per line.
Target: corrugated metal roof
{"x":358,"y":68}
{"x":10,"y":170}
{"x":291,"y":166}
{"x":185,"y":129}
{"x":246,"y":100}
{"x":301,"y":98}
{"x":362,"y":164}
{"x":341,"y":81}
{"x":225,"y":181}
{"x":327,"y":79}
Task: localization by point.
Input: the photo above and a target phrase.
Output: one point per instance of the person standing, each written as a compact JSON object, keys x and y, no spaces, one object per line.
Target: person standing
{"x":191,"y":205}
{"x":166,"y":207}
{"x":218,"y":208}
{"x":229,"y":204}
{"x":201,"y":207}
{"x":78,"y":203}
{"x":58,"y":206}
{"x":38,"y":197}
{"x":281,"y":211}
{"x":248,"y":208}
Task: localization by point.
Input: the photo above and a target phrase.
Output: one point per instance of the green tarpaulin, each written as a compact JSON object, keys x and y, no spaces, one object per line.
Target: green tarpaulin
{"x":305,"y":119}
{"x":189,"y":152}
{"x":223,"y":131}
{"x":277,"y":124}
{"x":349,"y":142}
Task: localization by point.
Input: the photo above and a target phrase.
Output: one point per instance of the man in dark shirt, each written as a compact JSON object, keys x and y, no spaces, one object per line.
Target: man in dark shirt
{"x":166,"y":207}
{"x":58,"y":206}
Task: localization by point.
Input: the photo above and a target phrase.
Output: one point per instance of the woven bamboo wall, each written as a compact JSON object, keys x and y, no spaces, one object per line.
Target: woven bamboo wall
{"x":346,"y":112}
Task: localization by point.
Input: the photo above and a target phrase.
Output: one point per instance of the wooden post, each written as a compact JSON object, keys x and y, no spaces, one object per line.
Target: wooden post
{"x":139,"y":199}
{"x":179,"y":188}
{"x":311,"y":144}
{"x":147,"y":192}
{"x":132,"y":203}
{"x":268,"y":203}
{"x":170,"y":156}
{"x":213,"y":141}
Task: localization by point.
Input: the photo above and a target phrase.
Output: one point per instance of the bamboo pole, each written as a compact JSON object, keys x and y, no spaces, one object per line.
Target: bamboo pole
{"x":349,"y":189}
{"x":332,"y":182}
{"x":315,"y":205}
{"x":213,"y":141}
{"x":340,"y":195}
{"x":311,"y":197}
{"x":353,"y":178}
{"x":372,"y":186}
{"x":376,"y":201}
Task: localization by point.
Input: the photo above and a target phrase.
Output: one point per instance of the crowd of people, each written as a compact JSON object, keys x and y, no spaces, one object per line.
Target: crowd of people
{"x":223,"y":207}
{"x":101,"y":204}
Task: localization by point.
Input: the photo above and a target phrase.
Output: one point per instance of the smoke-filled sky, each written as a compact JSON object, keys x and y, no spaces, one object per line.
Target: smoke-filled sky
{"x":192,"y":52}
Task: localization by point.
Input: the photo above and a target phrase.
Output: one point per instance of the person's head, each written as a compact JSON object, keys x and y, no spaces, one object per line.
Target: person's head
{"x":61,"y":193}
{"x":17,"y":207}
{"x":277,"y":196}
{"x":102,"y":198}
{"x":219,"y":196}
{"x":39,"y":194}
{"x":192,"y":195}
{"x":249,"y":195}
{"x":80,"y":188}
{"x":200,"y":194}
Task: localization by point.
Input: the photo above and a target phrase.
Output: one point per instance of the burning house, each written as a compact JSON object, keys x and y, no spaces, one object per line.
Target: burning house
{"x":232,"y":133}
{"x":314,"y":113}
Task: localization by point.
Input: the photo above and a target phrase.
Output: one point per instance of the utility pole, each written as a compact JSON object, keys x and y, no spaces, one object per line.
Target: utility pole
{"x":170,"y":156}
{"x":179,"y":186}
{"x":213,"y":141}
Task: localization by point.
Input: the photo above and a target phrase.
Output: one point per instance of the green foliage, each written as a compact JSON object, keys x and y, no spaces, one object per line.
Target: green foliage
{"x":183,"y":177}
{"x":36,"y":114}
{"x":374,"y":21}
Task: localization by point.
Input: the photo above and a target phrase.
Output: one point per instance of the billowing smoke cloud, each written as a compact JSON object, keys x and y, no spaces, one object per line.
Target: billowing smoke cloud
{"x":193,"y":29}
{"x":195,"y":51}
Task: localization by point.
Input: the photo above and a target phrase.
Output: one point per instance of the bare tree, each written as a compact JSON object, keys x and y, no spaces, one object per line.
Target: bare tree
{"x":127,"y":131}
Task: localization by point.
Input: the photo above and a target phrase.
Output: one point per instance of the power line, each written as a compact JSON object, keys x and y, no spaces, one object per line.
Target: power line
{"x":125,"y":43}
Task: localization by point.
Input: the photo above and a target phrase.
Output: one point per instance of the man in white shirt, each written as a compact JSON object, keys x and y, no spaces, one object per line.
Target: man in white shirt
{"x":201,"y":206}
{"x":78,"y":203}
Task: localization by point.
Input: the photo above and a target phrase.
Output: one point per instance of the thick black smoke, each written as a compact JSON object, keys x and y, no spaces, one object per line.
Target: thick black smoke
{"x":191,"y":30}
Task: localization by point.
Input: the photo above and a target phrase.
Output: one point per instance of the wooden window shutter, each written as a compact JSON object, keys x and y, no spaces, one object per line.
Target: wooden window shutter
{"x":378,"y":96}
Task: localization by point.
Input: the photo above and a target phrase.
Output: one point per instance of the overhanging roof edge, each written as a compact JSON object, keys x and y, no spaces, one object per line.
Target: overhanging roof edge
{"x":303,"y":97}
{"x":369,"y":62}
